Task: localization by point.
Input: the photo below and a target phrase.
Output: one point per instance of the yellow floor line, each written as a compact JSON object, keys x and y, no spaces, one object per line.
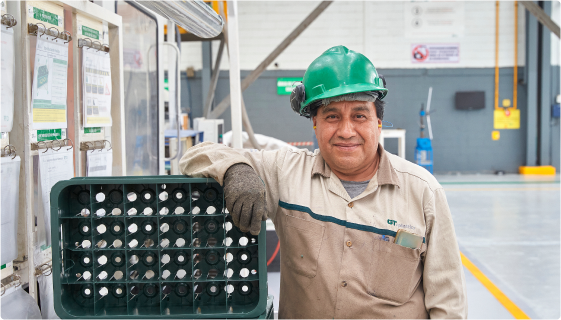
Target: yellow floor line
{"x":495,"y":291}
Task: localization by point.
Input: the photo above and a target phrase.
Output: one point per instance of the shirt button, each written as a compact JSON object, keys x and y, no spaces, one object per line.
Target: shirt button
{"x":351,"y":204}
{"x":344,"y":284}
{"x":349,"y":243}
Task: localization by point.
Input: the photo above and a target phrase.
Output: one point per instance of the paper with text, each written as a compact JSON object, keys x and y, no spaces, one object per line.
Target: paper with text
{"x":7,"y":118}
{"x":100,"y":163}
{"x":54,"y":166}
{"x":96,"y":88}
{"x":50,"y":83}
{"x":10,"y":207}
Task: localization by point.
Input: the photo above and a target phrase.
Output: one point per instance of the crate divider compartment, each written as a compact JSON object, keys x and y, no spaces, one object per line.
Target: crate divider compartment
{"x":109,"y":233}
{"x":174,"y":199}
{"x":75,"y":202}
{"x":111,"y":298}
{"x":147,"y":293}
{"x":209,"y":297}
{"x":174,"y":232}
{"x":142,"y":233}
{"x":107,"y":200}
{"x":144,"y":298}
{"x":142,"y":266}
{"x":77,"y":234}
{"x":78,"y":266}
{"x":207,"y":199}
{"x":178,"y":268}
{"x":177,"y":298}
{"x":140,"y":200}
{"x":79,"y":299}
{"x":245,"y":262}
{"x":110,"y":266}
{"x":244,"y":297}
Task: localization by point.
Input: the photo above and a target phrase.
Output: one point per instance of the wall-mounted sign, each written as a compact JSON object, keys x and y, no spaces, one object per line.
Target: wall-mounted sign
{"x":285,"y":85}
{"x":92,"y":130}
{"x":48,"y":134}
{"x":435,"y":53}
{"x":88,"y":32}
{"x":89,"y":28}
{"x":434,"y":19}
{"x":45,"y":16}
{"x":507,"y":119}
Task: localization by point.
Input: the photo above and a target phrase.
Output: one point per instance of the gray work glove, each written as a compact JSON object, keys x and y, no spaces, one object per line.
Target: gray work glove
{"x":245,"y":197}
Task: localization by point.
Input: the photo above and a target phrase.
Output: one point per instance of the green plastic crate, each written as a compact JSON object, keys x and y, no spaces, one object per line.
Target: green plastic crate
{"x":269,"y":310}
{"x":153,"y":247}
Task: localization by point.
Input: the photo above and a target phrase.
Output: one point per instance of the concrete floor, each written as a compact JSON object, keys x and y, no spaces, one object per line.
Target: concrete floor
{"x":509,"y":227}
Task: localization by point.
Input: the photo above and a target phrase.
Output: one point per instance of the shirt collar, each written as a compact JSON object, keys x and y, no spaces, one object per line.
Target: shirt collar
{"x":320,"y":166}
{"x":385,"y":174}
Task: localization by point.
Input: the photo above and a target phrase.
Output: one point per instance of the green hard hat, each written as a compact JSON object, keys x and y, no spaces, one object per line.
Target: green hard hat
{"x":340,"y":71}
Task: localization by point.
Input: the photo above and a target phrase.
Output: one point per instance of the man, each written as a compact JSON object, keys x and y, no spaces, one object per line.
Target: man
{"x":337,"y":211}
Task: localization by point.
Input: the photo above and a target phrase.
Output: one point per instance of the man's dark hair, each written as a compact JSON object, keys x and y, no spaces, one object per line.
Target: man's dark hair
{"x":380,"y":106}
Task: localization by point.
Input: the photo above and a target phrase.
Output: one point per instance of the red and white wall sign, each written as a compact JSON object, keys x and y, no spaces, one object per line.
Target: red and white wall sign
{"x":435,"y":53}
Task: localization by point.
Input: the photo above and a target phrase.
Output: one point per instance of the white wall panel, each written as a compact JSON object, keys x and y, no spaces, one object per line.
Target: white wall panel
{"x":555,"y":16}
{"x":373,"y":28}
{"x":477,"y":45}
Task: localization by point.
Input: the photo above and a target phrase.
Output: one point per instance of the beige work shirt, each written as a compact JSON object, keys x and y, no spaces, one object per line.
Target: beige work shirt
{"x":336,"y":260}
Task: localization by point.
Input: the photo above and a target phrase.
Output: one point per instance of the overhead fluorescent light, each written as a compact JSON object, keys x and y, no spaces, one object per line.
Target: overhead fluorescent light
{"x":194,"y":16}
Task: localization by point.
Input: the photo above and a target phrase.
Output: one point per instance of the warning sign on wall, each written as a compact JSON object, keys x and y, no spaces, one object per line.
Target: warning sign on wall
{"x":435,"y":53}
{"x":506,"y":119}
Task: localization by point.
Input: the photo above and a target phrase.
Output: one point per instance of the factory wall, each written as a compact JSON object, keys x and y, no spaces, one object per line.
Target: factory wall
{"x":555,"y":123}
{"x":381,"y":30}
{"x":555,"y":87}
{"x":462,"y":139}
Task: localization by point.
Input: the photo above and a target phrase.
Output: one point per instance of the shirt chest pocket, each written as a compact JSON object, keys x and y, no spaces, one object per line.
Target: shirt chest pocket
{"x":300,"y":245}
{"x":395,"y":272}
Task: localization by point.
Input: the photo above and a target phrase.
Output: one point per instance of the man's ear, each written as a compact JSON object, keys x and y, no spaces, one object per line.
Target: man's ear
{"x":314,"y":121}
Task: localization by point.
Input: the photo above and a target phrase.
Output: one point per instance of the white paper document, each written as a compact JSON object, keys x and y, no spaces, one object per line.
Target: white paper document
{"x":7,"y":117}
{"x":10,"y":208}
{"x":100,"y":163}
{"x":49,"y":83}
{"x":54,"y":166}
{"x":47,"y":297}
{"x":96,"y":88}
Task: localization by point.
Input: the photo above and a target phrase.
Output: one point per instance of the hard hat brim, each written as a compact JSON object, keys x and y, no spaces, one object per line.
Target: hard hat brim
{"x":352,"y":88}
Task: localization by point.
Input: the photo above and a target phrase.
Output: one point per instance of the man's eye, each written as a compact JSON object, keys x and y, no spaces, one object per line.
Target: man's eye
{"x":361,"y":116}
{"x":331,"y":116}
